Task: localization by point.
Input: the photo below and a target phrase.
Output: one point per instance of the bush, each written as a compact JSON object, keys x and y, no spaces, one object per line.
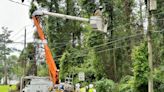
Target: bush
{"x":140,"y":67}
{"x":158,"y":79}
{"x":105,"y":85}
{"x":126,"y":84}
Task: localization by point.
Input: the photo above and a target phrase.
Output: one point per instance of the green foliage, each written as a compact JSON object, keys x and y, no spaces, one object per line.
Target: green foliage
{"x":32,"y":9}
{"x":71,"y":62}
{"x":1,"y":71}
{"x":13,"y":66}
{"x":64,"y":66}
{"x":97,"y":60}
{"x":94,"y":38}
{"x":126,"y":84}
{"x":76,"y":60}
{"x":105,"y":85}
{"x":28,"y":55}
{"x":42,"y":71}
{"x":5,"y":51}
{"x":4,"y":39}
{"x":89,"y":6}
{"x":92,"y":62}
{"x":17,"y":70}
{"x":84,"y":57}
{"x":159,"y":14}
{"x":159,"y":79}
{"x":140,"y":67}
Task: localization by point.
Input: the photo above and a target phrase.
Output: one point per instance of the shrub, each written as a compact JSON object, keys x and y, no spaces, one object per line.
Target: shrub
{"x":105,"y":85}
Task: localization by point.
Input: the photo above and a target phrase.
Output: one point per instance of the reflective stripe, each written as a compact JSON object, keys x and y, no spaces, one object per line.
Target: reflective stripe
{"x":44,"y":41}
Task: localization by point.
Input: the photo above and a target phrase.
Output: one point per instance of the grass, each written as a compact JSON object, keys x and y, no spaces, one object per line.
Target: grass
{"x":6,"y":88}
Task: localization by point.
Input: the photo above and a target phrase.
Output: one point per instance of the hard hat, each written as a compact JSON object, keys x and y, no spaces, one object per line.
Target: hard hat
{"x":100,"y":7}
{"x":90,"y":85}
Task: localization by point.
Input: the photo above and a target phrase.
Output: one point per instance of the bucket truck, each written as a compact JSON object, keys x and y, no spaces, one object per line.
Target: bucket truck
{"x":96,"y":22}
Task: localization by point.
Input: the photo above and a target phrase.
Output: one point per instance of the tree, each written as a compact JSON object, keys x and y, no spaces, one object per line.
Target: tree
{"x":140,"y":67}
{"x":119,"y":54}
{"x":28,"y":54}
{"x":105,"y":85}
{"x":4,"y":38}
{"x":12,"y":66}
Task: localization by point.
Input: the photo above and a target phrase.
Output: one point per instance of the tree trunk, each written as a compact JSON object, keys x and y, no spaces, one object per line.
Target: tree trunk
{"x":128,"y":11}
{"x":5,"y":65}
{"x":141,"y":17}
{"x":73,"y":40}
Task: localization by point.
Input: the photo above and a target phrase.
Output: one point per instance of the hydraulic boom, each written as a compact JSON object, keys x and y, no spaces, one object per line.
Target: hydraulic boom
{"x":95,"y":21}
{"x":49,"y":59}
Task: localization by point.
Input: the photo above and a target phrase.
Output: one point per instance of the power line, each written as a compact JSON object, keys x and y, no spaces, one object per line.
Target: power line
{"x":20,"y":3}
{"x":126,"y":37}
{"x":16,"y":33}
{"x":19,"y":31}
{"x":58,"y":56}
{"x":122,"y":38}
{"x":118,"y":46}
{"x":113,"y":48}
{"x":104,"y":49}
{"x":158,"y":31}
{"x":18,"y":38}
{"x":106,"y":43}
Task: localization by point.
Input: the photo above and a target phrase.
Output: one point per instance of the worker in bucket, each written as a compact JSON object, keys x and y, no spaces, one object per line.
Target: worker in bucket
{"x":91,"y":88}
{"x":98,"y":12}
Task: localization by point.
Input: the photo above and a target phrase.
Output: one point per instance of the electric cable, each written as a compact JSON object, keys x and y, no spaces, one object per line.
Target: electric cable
{"x":19,"y":3}
{"x":17,"y":35}
{"x":118,"y":47}
{"x":126,"y":37}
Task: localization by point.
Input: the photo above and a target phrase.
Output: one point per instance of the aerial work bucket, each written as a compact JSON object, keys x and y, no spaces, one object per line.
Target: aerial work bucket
{"x":98,"y":23}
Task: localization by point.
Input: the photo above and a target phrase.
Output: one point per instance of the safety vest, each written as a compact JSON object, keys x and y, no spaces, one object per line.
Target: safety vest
{"x":83,"y":89}
{"x":91,"y":90}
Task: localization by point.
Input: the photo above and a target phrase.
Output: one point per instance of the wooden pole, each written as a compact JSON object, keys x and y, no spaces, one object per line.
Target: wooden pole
{"x":24,"y":63}
{"x":151,"y":6}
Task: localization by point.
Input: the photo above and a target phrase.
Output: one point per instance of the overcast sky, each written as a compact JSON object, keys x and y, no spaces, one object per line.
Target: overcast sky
{"x":16,"y":17}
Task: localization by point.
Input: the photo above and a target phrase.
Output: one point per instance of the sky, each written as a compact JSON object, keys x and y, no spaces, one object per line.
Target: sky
{"x":16,"y":17}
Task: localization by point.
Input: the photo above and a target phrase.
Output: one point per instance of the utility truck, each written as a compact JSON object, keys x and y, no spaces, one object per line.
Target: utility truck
{"x":96,"y":22}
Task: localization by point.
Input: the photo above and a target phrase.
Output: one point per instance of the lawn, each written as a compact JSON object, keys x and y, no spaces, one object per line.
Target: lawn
{"x":6,"y":88}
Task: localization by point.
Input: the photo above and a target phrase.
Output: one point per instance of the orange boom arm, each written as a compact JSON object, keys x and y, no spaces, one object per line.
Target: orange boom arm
{"x":49,"y":59}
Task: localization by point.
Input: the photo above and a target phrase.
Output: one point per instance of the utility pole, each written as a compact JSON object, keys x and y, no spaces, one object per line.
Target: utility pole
{"x":24,"y":64}
{"x":150,"y":7}
{"x":150,"y":56}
